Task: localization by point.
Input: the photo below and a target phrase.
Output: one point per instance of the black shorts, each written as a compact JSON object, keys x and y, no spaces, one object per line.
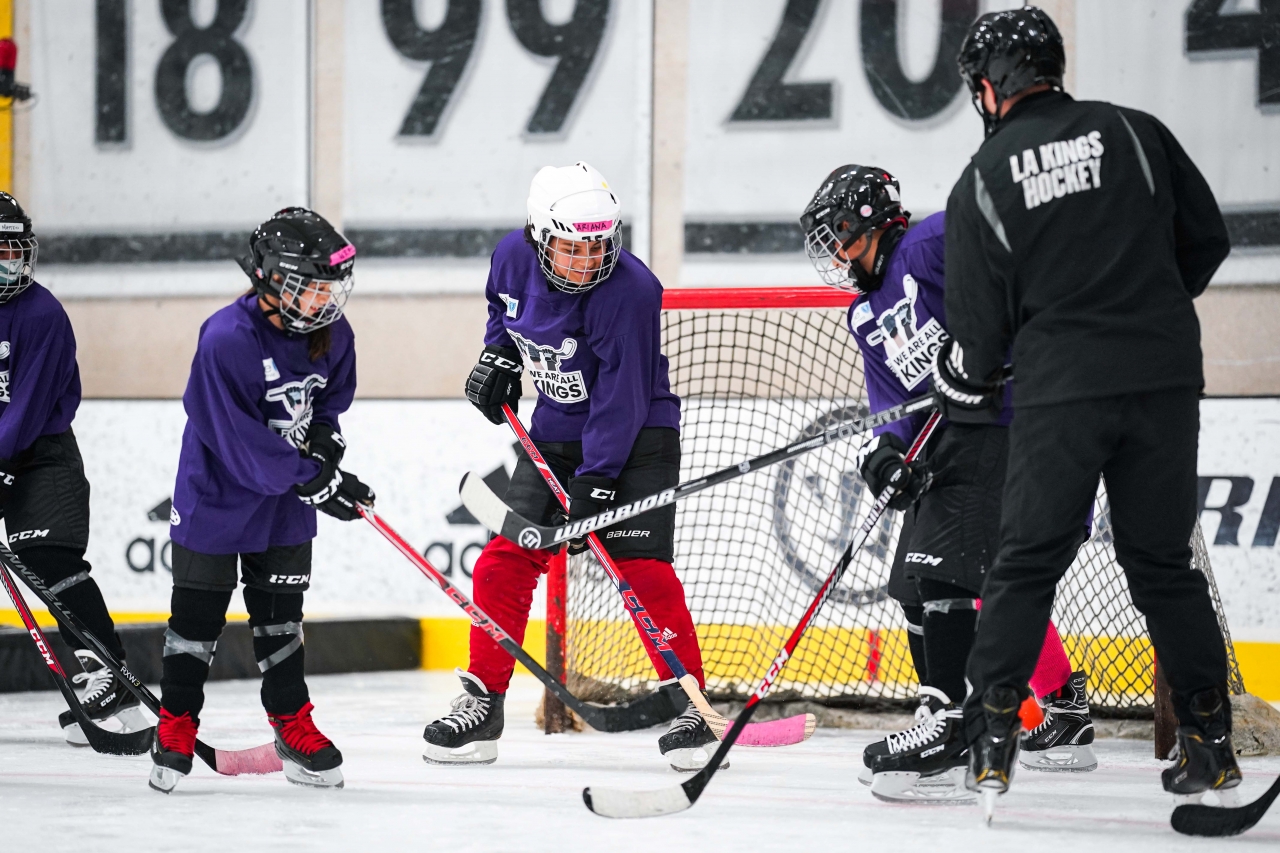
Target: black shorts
{"x":50,"y":500}
{"x":654,"y":465}
{"x":283,"y":568}
{"x":953,"y":531}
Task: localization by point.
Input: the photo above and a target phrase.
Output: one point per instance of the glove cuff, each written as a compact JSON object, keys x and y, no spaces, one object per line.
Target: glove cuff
{"x":322,"y":488}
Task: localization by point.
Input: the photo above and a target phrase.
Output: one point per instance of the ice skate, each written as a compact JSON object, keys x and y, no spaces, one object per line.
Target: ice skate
{"x":925,"y":763}
{"x":172,"y":749}
{"x":689,"y":743}
{"x":469,"y":733}
{"x":1204,"y":760}
{"x":931,"y":702}
{"x":104,"y":698}
{"x":993,"y":756}
{"x":309,"y":757}
{"x":1063,"y":742}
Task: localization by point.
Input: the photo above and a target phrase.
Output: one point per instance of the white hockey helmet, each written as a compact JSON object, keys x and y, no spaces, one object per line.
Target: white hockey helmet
{"x":575,"y":205}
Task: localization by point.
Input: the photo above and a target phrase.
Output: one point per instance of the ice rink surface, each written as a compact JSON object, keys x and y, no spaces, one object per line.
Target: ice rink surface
{"x":805,"y":797}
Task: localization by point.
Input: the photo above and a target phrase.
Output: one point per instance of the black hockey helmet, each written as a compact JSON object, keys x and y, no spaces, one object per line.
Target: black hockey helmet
{"x":298,"y":257}
{"x":1014,"y":50}
{"x":852,"y":201}
{"x":18,"y":248}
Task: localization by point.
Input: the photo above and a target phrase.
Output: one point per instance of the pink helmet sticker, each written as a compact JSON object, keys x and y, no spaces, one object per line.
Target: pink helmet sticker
{"x":589,"y":227}
{"x":347,"y":251}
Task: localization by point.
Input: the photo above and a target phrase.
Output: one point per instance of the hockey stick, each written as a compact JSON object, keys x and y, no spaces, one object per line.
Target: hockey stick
{"x":641,"y":714}
{"x":616,"y":802}
{"x":777,"y":733}
{"x":99,"y":738}
{"x":1218,"y":821}
{"x":258,"y":759}
{"x":491,"y":511}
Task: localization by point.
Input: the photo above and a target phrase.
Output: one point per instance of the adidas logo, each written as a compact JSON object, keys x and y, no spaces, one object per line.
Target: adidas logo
{"x":668,"y":635}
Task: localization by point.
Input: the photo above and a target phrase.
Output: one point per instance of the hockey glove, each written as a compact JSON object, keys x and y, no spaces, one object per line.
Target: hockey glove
{"x":959,"y":398}
{"x":884,"y":466}
{"x":588,"y":496}
{"x":7,"y":479}
{"x":495,"y":380}
{"x":325,"y":445}
{"x":336,"y":494}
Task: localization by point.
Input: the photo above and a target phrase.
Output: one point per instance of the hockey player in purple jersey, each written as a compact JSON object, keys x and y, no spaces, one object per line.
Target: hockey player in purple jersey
{"x":582,"y":315}
{"x":261,"y":451}
{"x":856,"y":235}
{"x":44,"y":496}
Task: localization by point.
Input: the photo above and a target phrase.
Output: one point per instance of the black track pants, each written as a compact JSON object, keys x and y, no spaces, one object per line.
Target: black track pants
{"x":1144,"y":446}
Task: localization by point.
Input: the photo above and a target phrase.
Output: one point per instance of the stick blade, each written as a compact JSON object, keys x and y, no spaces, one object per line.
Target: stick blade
{"x":619,"y":803}
{"x":481,"y":501}
{"x":785,"y":732}
{"x":1214,"y":821}
{"x":116,"y":743}
{"x":257,"y":760}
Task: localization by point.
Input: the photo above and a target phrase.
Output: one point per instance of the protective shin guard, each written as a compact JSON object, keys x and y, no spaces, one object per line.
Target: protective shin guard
{"x":1053,"y":669}
{"x":189,"y":645}
{"x":949,"y":625}
{"x":656,"y":585}
{"x":65,"y":573}
{"x":276,"y":620}
{"x":914,"y":614}
{"x":503,"y":580}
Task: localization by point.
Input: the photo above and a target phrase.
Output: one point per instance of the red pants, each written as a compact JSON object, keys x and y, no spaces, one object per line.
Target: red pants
{"x":505,"y":577}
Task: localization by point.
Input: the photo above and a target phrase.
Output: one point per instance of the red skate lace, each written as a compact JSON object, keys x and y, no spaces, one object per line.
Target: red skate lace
{"x":177,"y":734}
{"x":299,"y":732}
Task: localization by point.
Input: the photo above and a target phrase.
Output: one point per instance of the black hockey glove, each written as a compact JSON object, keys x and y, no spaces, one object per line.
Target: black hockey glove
{"x":7,"y":479}
{"x":336,"y":494}
{"x":495,"y":380}
{"x":588,"y":496}
{"x":884,"y":466}
{"x":959,"y":398}
{"x":325,"y":445}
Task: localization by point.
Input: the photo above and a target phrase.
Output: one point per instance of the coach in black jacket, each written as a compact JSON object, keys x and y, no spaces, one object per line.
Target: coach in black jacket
{"x":1076,"y":239}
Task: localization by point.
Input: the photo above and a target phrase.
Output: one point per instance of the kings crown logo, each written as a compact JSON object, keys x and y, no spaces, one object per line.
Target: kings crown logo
{"x":544,"y":368}
{"x":296,"y":399}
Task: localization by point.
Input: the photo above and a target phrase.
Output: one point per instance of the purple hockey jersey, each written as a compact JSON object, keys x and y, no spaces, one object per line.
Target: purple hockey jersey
{"x":900,"y":327}
{"x":596,"y":358}
{"x":39,"y":378}
{"x":252,"y":394}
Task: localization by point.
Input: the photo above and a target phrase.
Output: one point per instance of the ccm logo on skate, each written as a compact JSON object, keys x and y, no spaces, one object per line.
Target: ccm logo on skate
{"x":289,"y":579}
{"x":623,"y":534}
{"x":29,"y":534}
{"x":915,"y":557}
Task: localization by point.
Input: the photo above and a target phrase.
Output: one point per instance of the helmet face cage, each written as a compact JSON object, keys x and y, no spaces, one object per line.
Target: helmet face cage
{"x":577,"y":264}
{"x":17,"y":264}
{"x":311,"y":295}
{"x":824,"y":250}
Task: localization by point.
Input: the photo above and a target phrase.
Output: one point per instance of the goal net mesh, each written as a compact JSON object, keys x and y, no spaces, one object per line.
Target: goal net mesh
{"x":752,"y":553}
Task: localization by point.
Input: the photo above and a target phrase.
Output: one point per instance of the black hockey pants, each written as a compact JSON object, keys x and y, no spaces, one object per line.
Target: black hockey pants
{"x":1144,"y":446}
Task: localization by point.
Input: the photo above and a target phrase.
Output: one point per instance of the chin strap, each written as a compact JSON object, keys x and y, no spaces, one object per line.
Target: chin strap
{"x":869,"y":282}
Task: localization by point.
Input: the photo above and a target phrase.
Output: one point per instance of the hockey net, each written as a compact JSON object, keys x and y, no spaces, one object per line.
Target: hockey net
{"x":757,"y":369}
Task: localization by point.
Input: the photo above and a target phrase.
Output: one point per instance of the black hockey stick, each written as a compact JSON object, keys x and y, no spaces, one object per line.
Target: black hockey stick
{"x":616,"y":802}
{"x":778,"y":733}
{"x":641,"y":714}
{"x":491,"y":511}
{"x":258,"y":759}
{"x":1217,"y":821}
{"x":99,"y":738}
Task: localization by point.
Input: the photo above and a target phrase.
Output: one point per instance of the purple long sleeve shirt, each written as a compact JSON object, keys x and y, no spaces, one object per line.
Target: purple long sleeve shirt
{"x":39,"y":378}
{"x":596,"y":358}
{"x":252,"y":394}
{"x":900,"y":327}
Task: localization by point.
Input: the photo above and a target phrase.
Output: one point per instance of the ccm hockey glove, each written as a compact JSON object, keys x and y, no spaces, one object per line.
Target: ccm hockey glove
{"x":336,"y":493}
{"x":961,"y":399}
{"x":884,"y":465}
{"x":588,"y":496}
{"x":325,"y":445}
{"x":495,"y":380}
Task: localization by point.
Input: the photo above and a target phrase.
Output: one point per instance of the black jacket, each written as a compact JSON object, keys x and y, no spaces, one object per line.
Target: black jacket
{"x":1078,"y":235}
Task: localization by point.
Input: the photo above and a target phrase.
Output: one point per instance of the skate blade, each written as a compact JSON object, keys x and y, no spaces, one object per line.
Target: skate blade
{"x":299,"y":775}
{"x":1223,"y":798}
{"x":691,"y":760}
{"x":75,"y":735}
{"x":1068,"y":758}
{"x":905,"y":786}
{"x":163,"y":779}
{"x":131,"y":720}
{"x":865,"y":775}
{"x":989,"y":796}
{"x":476,"y":752}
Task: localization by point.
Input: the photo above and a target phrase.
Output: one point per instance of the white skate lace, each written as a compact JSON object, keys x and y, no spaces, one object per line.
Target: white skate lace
{"x":918,"y":735}
{"x":688,"y":720}
{"x":98,"y":682}
{"x":468,"y":712}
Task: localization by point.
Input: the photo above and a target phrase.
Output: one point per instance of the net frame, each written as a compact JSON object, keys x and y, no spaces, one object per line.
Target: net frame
{"x":757,"y":368}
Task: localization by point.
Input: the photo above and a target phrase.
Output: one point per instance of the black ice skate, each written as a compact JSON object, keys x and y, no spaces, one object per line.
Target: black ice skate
{"x":689,"y":743}
{"x":932,"y":701}
{"x":1203,"y":759}
{"x":469,"y":733}
{"x":925,"y":763}
{"x":994,"y":755}
{"x":172,"y":749}
{"x":1063,"y":741}
{"x":104,"y":698}
{"x":308,"y":756}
